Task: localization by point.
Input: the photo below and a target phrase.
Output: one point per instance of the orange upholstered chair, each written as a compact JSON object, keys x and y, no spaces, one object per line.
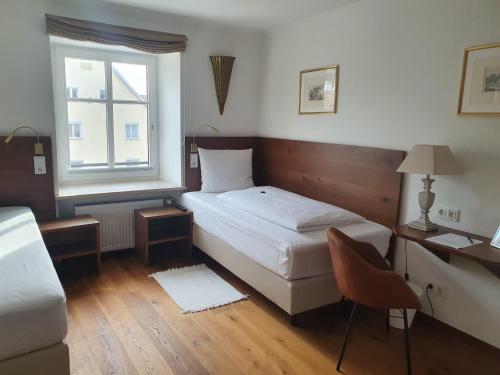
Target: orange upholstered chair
{"x":364,"y":277}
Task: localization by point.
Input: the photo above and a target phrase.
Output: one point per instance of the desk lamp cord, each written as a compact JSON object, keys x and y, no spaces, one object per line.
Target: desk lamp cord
{"x":407,"y":276}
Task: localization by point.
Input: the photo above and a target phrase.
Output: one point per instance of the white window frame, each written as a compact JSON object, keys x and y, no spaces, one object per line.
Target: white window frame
{"x":67,"y":174}
{"x":71,"y":124}
{"x":134,"y":124}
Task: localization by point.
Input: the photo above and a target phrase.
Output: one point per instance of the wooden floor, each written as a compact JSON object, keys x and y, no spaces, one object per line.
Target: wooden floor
{"x":123,"y":322}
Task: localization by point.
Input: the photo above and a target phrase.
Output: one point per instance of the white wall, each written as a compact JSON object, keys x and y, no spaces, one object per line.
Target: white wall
{"x":400,"y":63}
{"x":25,"y":71}
{"x":170,"y":139}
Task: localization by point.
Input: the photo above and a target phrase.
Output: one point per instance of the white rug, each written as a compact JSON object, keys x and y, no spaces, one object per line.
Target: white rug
{"x":197,"y":288}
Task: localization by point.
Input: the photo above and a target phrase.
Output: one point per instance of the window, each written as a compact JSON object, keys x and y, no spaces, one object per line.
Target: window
{"x":75,"y":130}
{"x":131,"y":131}
{"x":114,"y":95}
{"x":72,"y":92}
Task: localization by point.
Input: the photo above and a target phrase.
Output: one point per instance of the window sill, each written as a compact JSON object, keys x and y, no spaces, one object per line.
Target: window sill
{"x":114,"y":188}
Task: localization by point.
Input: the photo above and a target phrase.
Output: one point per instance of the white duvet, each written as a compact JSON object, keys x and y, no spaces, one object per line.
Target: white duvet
{"x":287,"y":209}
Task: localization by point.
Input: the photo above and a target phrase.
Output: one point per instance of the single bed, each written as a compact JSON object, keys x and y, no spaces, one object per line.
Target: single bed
{"x":293,"y":269}
{"x":33,"y":321}
{"x":289,"y":254}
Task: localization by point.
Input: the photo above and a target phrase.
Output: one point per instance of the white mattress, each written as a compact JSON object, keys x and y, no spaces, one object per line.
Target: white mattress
{"x":32,"y":300}
{"x":289,"y":254}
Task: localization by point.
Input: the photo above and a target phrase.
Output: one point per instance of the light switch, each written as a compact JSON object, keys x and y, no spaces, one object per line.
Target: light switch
{"x":193,"y":160}
{"x":40,"y":167}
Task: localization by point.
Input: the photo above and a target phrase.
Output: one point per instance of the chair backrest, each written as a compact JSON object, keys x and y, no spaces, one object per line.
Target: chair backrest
{"x":363,"y":276}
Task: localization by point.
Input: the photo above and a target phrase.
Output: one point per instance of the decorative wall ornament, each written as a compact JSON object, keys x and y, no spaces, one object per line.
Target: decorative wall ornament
{"x":480,"y":87}
{"x":222,"y":67}
{"x":318,"y":90}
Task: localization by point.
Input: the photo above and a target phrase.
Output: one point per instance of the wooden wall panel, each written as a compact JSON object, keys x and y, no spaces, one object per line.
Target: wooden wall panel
{"x":360,"y":179}
{"x":19,"y":186}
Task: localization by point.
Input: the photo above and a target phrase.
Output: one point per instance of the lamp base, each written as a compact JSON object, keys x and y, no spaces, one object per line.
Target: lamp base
{"x":423,"y":226}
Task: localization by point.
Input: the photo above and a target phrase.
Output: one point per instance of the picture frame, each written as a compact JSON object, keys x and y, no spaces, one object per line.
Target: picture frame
{"x":479,"y":92}
{"x":495,"y":242}
{"x":318,"y":88}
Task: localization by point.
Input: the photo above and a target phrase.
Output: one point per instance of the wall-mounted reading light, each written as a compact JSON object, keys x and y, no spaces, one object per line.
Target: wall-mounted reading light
{"x":194,"y":146}
{"x":38,"y":145}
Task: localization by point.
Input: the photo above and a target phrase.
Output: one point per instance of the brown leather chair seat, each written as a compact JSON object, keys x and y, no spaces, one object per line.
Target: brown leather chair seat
{"x":365,"y":278}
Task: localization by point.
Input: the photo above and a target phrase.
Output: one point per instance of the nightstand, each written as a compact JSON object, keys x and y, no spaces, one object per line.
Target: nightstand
{"x":157,"y":227}
{"x":72,"y":237}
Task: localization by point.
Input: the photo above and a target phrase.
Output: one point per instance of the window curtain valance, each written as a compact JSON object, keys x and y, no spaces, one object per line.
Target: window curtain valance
{"x":89,"y":31}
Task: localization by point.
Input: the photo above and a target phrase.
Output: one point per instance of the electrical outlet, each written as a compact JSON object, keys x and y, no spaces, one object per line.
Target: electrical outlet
{"x":441,"y":291}
{"x":442,"y":213}
{"x":449,"y":214}
{"x":437,"y":290}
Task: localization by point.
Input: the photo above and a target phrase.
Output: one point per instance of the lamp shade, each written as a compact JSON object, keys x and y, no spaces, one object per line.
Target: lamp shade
{"x":431,"y":160}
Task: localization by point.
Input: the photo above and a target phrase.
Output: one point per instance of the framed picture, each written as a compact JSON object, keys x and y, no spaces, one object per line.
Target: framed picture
{"x":496,"y":240}
{"x":318,"y":90}
{"x":480,"y":86}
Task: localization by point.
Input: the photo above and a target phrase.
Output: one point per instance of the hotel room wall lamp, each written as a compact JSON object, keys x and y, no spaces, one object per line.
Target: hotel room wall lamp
{"x":38,"y":145}
{"x":428,"y":160}
{"x":194,"y":146}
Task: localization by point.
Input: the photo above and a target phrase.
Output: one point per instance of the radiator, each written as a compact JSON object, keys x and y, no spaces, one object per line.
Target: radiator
{"x":117,"y":221}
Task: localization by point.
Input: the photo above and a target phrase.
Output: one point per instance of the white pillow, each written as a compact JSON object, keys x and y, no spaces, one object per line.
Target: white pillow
{"x":224,"y":170}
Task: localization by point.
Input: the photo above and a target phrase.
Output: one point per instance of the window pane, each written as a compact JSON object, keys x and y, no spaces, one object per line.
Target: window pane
{"x":75,"y":130}
{"x":91,"y":148}
{"x":84,"y":78}
{"x":130,"y":82}
{"x":131,"y":135}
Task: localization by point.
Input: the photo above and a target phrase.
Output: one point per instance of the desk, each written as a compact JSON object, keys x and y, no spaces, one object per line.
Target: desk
{"x":482,"y":253}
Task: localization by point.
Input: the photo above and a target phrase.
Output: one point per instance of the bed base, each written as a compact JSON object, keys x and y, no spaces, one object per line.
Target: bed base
{"x":292,"y":296}
{"x":53,"y":360}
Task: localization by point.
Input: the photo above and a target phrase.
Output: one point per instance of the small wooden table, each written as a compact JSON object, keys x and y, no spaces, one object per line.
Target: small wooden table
{"x":158,"y":226}
{"x":482,"y":253}
{"x":72,"y":237}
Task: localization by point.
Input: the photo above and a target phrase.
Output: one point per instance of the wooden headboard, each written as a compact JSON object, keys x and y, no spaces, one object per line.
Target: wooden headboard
{"x":19,"y":186}
{"x":360,"y":179}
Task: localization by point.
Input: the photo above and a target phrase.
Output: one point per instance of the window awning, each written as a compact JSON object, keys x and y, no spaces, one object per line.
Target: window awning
{"x":139,"y":39}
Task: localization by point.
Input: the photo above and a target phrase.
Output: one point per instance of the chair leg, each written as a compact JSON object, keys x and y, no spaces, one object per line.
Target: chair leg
{"x":387,"y":320}
{"x":346,"y":338}
{"x":407,"y":342}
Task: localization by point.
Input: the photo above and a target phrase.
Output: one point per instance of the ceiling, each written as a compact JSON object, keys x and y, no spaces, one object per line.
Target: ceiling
{"x":255,"y":14}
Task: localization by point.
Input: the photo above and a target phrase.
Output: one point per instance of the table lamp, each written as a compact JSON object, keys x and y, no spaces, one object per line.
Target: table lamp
{"x":428,"y":160}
